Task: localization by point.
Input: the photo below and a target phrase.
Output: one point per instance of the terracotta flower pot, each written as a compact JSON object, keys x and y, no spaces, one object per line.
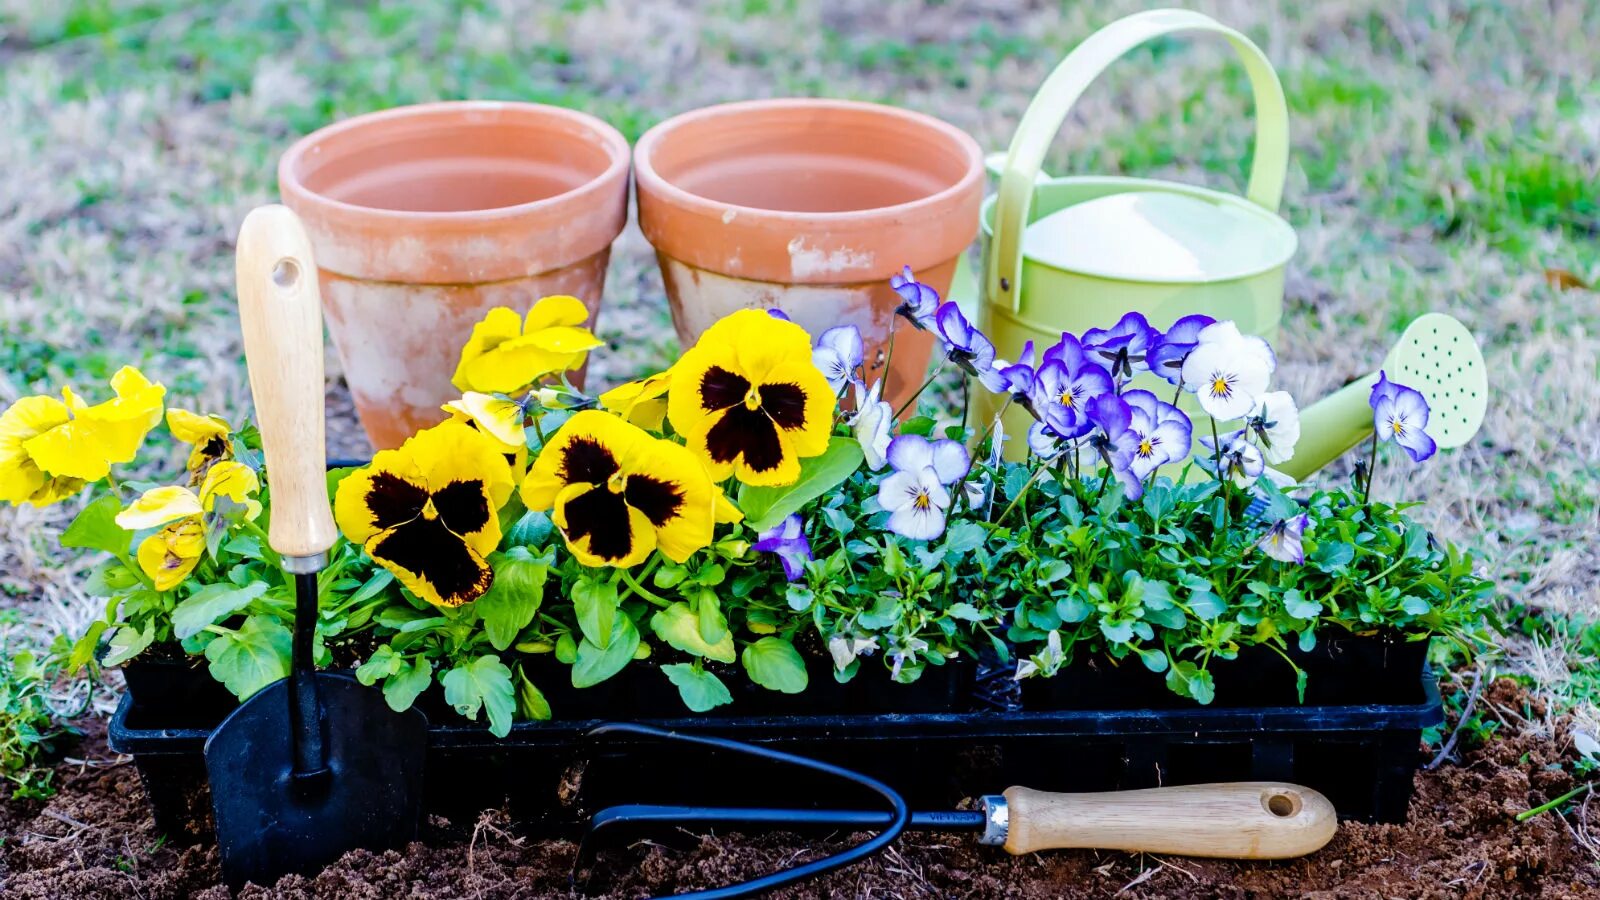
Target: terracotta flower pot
{"x":423,"y":218}
{"x":808,"y":206}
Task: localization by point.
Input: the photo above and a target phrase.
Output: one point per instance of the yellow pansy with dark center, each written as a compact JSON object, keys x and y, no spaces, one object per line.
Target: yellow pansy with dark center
{"x":749,"y":401}
{"x":208,"y":437}
{"x":618,"y":492}
{"x":427,"y":511}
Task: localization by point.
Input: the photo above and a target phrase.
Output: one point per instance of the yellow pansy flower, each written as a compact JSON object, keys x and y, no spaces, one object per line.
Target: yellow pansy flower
{"x":642,"y":402}
{"x":427,"y":511}
{"x":497,"y":418}
{"x":208,"y":436}
{"x":618,"y":492}
{"x":21,"y":479}
{"x":506,"y":354}
{"x":169,"y":555}
{"x":50,"y":448}
{"x":749,"y":401}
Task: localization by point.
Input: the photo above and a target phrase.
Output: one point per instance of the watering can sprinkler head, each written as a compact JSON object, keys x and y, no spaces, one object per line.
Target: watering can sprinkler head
{"x":1437,"y":356}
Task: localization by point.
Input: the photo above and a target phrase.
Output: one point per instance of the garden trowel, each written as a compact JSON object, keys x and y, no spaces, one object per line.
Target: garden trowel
{"x":315,"y":764}
{"x":1436,"y":355}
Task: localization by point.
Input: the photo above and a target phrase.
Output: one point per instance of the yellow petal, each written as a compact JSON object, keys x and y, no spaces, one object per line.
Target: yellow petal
{"x":641,"y":402}
{"x":450,"y":454}
{"x":353,"y":504}
{"x":100,"y":435}
{"x":559,"y":339}
{"x":501,"y":419}
{"x":642,"y":536}
{"x":21,"y":479}
{"x":556,"y":310}
{"x":158,"y":506}
{"x":811,"y":439}
{"x":500,"y":325}
{"x":168,"y":556}
{"x":548,"y":475}
{"x":192,"y":428}
{"x":726,"y":511}
{"x":689,"y":531}
{"x":787,"y":471}
{"x":233,"y":480}
{"x":413,"y":574}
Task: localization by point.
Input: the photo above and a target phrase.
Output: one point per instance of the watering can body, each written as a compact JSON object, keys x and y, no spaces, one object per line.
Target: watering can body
{"x":1237,"y":274}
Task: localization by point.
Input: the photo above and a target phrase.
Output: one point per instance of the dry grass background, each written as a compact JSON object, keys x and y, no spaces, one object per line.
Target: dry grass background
{"x":1446,"y":156}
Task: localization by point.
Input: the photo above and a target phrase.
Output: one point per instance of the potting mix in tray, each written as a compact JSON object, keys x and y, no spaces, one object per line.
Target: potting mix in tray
{"x":1072,"y":563}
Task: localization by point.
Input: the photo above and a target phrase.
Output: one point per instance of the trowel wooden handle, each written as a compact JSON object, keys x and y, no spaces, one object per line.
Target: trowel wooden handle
{"x":1246,"y":820}
{"x":280,"y":313}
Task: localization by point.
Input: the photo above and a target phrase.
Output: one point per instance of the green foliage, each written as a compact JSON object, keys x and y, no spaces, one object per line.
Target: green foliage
{"x":765,"y":507}
{"x":28,"y":731}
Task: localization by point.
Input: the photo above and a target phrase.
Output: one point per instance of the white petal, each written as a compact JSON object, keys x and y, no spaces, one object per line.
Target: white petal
{"x":917,"y":524}
{"x":910,"y":452}
{"x":950,"y":460}
{"x":895,"y":492}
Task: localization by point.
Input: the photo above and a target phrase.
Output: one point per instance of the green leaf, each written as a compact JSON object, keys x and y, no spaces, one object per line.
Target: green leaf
{"x":566,"y":650}
{"x":1415,"y":605}
{"x":383,"y":663}
{"x":484,"y":683}
{"x":713,"y":625}
{"x":922,"y":425}
{"x":249,"y":659}
{"x":128,"y":642}
{"x":775,"y":664}
{"x":1299,"y":606}
{"x":595,"y":664}
{"x":679,"y":627}
{"x":83,"y":648}
{"x":402,"y":688}
{"x":533,"y":529}
{"x":513,"y":599}
{"x":1206,"y":605}
{"x":530,"y":700}
{"x":211,"y":604}
{"x":1154,"y":660}
{"x":1333,"y":556}
{"x":765,"y":507}
{"x":96,"y":528}
{"x":966,"y":612}
{"x":701,"y":690}
{"x":108,"y":578}
{"x":596,"y":604}
{"x":380,"y":579}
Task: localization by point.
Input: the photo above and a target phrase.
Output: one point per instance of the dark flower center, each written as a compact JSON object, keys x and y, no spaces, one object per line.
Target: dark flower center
{"x":720,"y":389}
{"x":659,"y":500}
{"x":602,"y":516}
{"x":428,"y":548}
{"x":394,"y":501}
{"x":587,"y":461}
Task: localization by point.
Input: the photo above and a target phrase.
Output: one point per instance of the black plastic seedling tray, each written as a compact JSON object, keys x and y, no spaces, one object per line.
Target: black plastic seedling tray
{"x":551,"y":776}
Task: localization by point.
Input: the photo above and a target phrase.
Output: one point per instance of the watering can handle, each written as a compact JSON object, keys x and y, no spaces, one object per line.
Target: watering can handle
{"x":280,"y":314}
{"x":1071,"y":77}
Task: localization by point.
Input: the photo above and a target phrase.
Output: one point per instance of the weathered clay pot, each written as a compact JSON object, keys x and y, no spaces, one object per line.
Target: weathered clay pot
{"x":808,"y":206}
{"x":423,"y":218}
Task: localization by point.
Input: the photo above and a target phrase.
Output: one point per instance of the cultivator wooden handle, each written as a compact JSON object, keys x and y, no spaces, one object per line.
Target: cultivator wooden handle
{"x":280,"y":313}
{"x":1244,"y":820}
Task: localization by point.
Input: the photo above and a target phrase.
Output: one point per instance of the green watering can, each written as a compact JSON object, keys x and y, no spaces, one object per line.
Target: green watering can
{"x":1074,"y":253}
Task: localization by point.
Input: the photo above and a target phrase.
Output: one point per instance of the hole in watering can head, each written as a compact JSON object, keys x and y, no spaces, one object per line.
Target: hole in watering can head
{"x":285,"y":273}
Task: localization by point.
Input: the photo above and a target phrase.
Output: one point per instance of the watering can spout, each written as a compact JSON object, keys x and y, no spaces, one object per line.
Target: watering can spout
{"x":1331,"y":427}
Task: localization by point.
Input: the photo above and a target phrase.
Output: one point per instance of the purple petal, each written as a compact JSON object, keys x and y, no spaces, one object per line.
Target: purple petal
{"x":1110,"y":414}
{"x":777,"y":313}
{"x":954,"y":327}
{"x":1383,"y":390}
{"x":1418,"y":444}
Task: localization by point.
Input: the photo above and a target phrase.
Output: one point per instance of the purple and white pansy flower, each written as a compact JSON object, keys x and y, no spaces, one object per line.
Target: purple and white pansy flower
{"x":1400,"y":414}
{"x":1234,"y":457}
{"x":1115,"y":442}
{"x":1067,"y":381}
{"x":871,"y":424}
{"x":838,"y":354}
{"x":1228,"y":371}
{"x":1275,"y":423}
{"x":1015,"y":378}
{"x":1123,"y":348}
{"x":1164,"y":432}
{"x":918,"y":302}
{"x":964,"y":344}
{"x":1166,"y":358}
{"x":1282,"y":541}
{"x":787,"y":540}
{"x":915,"y":493}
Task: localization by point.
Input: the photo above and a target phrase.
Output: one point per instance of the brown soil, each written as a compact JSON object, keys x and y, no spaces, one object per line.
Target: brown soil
{"x":95,"y":840}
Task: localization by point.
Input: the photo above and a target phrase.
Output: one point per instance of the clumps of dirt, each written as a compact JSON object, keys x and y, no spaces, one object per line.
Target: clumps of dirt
{"x":96,"y":840}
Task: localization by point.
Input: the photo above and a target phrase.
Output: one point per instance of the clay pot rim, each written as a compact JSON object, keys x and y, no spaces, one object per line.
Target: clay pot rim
{"x":646,"y":178}
{"x":615,"y":145}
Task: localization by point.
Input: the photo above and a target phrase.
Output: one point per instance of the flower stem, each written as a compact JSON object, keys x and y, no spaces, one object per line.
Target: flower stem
{"x":913,"y":398}
{"x":888,"y":356}
{"x":1222,"y":483}
{"x":1546,"y":807}
{"x":1020,"y":494}
{"x":1372,"y":468}
{"x":639,"y":590}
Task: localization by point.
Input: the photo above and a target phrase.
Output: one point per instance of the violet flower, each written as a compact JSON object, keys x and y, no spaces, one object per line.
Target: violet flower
{"x":1015,"y":378}
{"x":1163,"y":432}
{"x":1166,"y":358}
{"x":915,"y":494}
{"x":777,"y":313}
{"x":1124,"y":347}
{"x":1282,"y":541}
{"x":787,"y":539}
{"x":838,"y":353}
{"x":964,"y":344}
{"x":1400,"y":414}
{"x":1115,"y":441}
{"x":918,"y":302}
{"x":1237,"y":458}
{"x":1065,"y":384}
